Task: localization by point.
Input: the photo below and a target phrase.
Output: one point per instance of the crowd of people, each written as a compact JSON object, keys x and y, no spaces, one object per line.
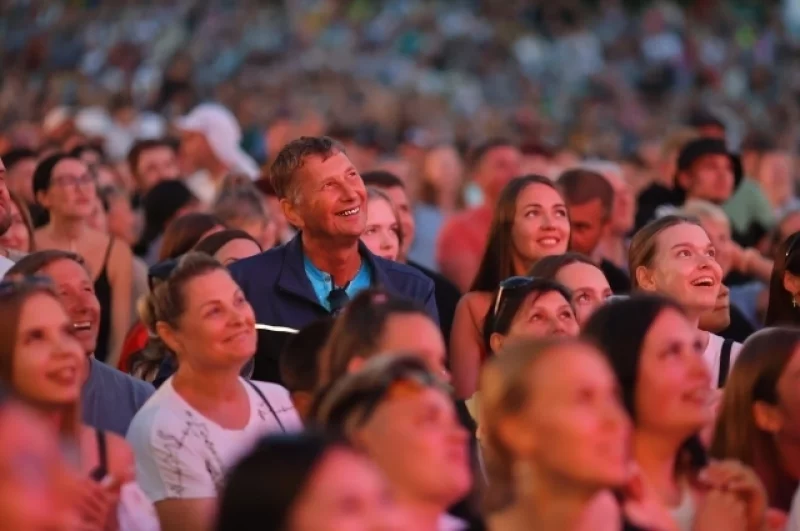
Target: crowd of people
{"x":469,"y":275}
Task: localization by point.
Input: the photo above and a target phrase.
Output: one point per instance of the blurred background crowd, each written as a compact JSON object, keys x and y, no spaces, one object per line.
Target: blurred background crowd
{"x":526,"y":165}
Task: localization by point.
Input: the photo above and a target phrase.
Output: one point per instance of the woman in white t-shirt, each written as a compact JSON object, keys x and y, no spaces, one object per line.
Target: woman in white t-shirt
{"x":674,"y":256}
{"x":206,"y":416}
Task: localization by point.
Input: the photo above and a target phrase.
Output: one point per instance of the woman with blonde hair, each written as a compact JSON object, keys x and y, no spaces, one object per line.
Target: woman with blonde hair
{"x":556,"y":436}
{"x":198,"y":314}
{"x":673,"y":256}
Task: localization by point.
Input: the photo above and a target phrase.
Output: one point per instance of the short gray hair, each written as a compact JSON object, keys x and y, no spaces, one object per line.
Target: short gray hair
{"x":293,"y":156}
{"x":241,"y":202}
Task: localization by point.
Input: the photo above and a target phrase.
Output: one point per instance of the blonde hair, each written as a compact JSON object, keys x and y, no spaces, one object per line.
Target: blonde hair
{"x":701,"y":209}
{"x":644,"y":244}
{"x":505,"y":392}
{"x":167,"y":303}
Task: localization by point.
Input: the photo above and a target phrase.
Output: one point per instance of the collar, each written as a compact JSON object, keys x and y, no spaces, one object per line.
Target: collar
{"x":293,"y":279}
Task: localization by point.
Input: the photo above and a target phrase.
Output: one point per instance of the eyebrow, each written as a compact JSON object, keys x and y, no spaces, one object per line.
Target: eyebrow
{"x":556,"y":205}
{"x":349,"y":169}
{"x":687,"y":244}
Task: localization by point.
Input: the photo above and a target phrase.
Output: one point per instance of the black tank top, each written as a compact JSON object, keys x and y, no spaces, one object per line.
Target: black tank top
{"x":102,"y":289}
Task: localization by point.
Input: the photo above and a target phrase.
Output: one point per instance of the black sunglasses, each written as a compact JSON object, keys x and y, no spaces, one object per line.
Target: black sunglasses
{"x":792,"y":244}
{"x":15,"y":285}
{"x":507,"y":287}
{"x":160,"y":272}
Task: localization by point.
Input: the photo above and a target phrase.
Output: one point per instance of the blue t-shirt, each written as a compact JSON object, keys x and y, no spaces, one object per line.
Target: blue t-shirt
{"x":110,"y":398}
{"x":322,"y":282}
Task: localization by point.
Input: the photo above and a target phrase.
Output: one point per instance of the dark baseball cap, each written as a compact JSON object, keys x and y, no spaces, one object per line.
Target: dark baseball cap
{"x":700,"y":147}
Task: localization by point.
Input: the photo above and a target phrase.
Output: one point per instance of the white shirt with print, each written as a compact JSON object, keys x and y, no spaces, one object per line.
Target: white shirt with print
{"x":180,"y":454}
{"x":713,"y":355}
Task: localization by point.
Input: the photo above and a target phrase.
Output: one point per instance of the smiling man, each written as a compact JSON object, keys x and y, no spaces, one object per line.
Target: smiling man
{"x":316,"y":273}
{"x":109,"y":398}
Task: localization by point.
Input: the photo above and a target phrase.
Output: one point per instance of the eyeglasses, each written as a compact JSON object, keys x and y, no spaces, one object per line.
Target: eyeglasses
{"x":13,"y":286}
{"x":65,"y":181}
{"x":160,"y":272}
{"x":507,"y":286}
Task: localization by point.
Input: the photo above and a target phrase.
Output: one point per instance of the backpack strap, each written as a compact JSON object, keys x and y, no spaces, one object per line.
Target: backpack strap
{"x":724,"y":362}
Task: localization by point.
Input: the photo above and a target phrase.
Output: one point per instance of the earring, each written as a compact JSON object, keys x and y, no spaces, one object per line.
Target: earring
{"x":794,"y":302}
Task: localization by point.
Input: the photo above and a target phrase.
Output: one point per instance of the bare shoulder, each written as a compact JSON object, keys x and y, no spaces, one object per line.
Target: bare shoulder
{"x":120,"y":250}
{"x":478,"y":302}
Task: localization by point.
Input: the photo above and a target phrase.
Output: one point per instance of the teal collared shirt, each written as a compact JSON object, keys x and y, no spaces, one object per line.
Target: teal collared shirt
{"x":323,"y":283}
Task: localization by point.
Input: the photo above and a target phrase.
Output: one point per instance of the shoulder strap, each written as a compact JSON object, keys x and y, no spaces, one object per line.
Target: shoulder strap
{"x":102,"y":452}
{"x":266,"y":402}
{"x":108,"y":251}
{"x":724,"y":362}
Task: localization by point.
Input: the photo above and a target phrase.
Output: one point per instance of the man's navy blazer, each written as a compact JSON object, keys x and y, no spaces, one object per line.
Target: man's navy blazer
{"x":276,"y":285}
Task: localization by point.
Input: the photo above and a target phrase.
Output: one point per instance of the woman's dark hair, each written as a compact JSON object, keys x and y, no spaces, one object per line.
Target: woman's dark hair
{"x":549,"y":266}
{"x":214,"y":242}
{"x":183,"y":233}
{"x":358,"y":330}
{"x":754,"y":378}
{"x":78,"y":151}
{"x":43,"y":174}
{"x":161,"y":204}
{"x":248,"y":503}
{"x":512,"y":300}
{"x":497,"y":263}
{"x":781,"y":309}
{"x":619,"y":330}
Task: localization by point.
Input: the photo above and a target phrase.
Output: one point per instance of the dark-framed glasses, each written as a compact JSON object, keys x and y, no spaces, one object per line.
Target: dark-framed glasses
{"x":507,"y":287}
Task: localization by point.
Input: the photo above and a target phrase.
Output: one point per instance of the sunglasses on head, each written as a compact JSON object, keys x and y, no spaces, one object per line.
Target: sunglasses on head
{"x":15,"y":285}
{"x":160,"y":272}
{"x":507,"y":287}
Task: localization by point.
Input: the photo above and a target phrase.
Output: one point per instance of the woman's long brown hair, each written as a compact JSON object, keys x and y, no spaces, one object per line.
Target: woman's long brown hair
{"x":12,"y":304}
{"x":497,"y":263}
{"x":754,"y":379}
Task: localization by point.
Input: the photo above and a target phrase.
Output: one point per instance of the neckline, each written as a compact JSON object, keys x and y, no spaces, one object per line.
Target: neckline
{"x":252,"y":408}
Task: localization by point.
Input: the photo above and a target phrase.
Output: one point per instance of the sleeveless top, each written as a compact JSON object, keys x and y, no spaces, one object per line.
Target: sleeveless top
{"x":102,"y":289}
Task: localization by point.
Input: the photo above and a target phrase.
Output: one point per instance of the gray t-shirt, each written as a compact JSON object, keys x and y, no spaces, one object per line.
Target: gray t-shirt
{"x":111,"y":398}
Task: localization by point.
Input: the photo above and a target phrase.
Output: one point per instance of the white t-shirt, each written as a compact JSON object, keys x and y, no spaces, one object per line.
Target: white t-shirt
{"x":5,"y":265}
{"x":793,"y":521}
{"x":713,"y":355}
{"x":182,"y":454}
